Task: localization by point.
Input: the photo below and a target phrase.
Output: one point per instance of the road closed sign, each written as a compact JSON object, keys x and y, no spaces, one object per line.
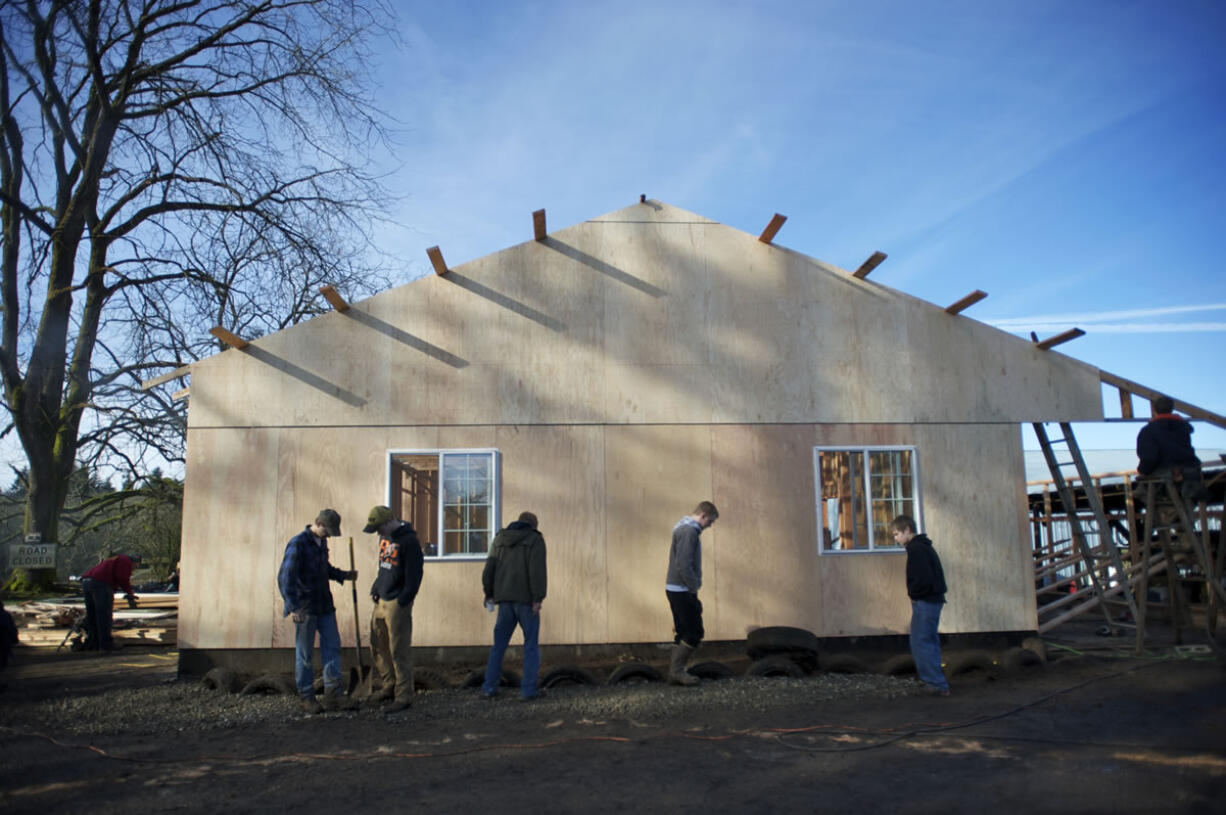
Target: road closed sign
{"x":32,"y":555}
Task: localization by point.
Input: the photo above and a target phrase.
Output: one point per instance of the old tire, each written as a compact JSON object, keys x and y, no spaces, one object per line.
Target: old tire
{"x":274,"y":684}
{"x":476,"y":679}
{"x":775,"y":639}
{"x":424,"y":680}
{"x":222,"y":679}
{"x":774,"y":666}
{"x":633,"y":672}
{"x":969,"y":662}
{"x":567,"y":675}
{"x":900,"y":665}
{"x":844,"y":664}
{"x":1020,"y":659}
{"x":711,"y":670}
{"x":1036,"y":646}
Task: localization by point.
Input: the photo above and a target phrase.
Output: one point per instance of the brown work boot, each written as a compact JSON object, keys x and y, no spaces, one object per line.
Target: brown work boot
{"x":310,"y":705}
{"x":398,"y":705}
{"x":384,"y":695}
{"x":339,"y":701}
{"x":677,"y":675}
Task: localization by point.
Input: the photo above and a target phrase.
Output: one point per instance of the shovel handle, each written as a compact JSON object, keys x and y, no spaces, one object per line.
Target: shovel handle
{"x":357,"y":626}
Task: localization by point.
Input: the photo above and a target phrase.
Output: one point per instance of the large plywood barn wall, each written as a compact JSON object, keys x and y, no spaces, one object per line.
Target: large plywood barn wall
{"x":625,"y":368}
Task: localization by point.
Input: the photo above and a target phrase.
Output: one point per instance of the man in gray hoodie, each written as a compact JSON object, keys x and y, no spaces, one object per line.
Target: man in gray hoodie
{"x":682,"y":585}
{"x":515,"y":579}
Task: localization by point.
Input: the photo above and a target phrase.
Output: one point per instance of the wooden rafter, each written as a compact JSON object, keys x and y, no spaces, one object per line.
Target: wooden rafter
{"x":1052,"y":342}
{"x":334,"y":297}
{"x":874,"y":260}
{"x":436,"y":260}
{"x":1151,"y":394}
{"x":158,"y":380}
{"x":538,"y":225}
{"x":966,"y":302}
{"x":229,"y":338}
{"x":772,"y":229}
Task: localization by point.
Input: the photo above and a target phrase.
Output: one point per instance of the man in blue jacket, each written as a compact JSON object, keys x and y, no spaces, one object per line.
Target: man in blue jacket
{"x":393,"y":592}
{"x":303,"y":580}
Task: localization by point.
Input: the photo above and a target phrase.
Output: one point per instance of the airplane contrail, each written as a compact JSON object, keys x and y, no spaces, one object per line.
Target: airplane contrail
{"x":1087,"y":318}
{"x":1114,"y":328}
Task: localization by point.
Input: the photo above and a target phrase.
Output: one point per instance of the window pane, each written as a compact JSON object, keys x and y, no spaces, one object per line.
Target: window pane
{"x":468,"y":502}
{"x":452,"y":543}
{"x":479,"y":518}
{"x":478,"y":543}
{"x":844,"y":523}
{"x":847,"y":514}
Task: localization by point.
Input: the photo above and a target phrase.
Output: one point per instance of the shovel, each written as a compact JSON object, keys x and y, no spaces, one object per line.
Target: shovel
{"x":359,"y":677}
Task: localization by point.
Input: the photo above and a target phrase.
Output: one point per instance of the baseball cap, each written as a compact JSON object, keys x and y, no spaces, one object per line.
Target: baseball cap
{"x":378,"y":517}
{"x":330,"y":520}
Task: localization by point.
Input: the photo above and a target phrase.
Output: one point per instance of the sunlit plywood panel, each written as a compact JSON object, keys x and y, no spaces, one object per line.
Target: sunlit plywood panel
{"x":558,"y":474}
{"x":763,"y":560}
{"x":975,"y":510}
{"x":654,"y":475}
{"x":231,"y":497}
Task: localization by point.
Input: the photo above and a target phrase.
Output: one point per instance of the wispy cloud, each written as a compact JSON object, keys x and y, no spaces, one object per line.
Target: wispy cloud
{"x":1103,"y":322}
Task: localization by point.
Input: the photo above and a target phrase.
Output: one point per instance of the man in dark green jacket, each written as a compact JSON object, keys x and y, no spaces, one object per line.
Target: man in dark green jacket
{"x":514,"y":578}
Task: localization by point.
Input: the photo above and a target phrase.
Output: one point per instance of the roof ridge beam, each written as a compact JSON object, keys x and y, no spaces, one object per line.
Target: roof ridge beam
{"x":229,"y":338}
{"x":1151,"y":394}
{"x":183,"y":370}
{"x":436,"y":260}
{"x":966,"y":302}
{"x":874,"y":260}
{"x":772,"y":229}
{"x":1051,"y":342}
{"x":334,"y":297}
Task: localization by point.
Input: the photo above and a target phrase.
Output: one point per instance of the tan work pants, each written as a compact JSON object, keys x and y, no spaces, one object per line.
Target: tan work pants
{"x":391,"y":636}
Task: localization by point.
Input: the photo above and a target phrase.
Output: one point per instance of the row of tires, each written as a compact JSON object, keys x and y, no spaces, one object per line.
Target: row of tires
{"x":792,"y":663}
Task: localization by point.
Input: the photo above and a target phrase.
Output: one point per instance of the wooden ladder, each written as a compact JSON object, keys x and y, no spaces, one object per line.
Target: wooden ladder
{"x":1170,"y":515}
{"x":1101,"y":563}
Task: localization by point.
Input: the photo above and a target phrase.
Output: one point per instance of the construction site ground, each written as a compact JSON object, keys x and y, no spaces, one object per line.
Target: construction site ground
{"x":1095,"y":729}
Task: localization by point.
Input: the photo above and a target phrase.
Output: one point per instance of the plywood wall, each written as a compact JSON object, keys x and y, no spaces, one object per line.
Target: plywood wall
{"x":649,"y":316}
{"x":607,"y":499}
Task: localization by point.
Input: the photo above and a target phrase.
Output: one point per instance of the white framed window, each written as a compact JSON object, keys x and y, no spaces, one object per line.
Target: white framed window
{"x":860,"y":490}
{"x":450,"y":496}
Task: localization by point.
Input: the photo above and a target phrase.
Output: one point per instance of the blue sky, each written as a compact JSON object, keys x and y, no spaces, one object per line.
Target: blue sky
{"x":1069,"y":158}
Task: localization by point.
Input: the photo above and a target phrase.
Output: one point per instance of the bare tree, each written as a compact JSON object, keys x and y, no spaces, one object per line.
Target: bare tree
{"x":168,"y":165}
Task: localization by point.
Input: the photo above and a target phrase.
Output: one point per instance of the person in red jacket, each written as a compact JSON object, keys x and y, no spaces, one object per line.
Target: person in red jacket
{"x":100,"y":584}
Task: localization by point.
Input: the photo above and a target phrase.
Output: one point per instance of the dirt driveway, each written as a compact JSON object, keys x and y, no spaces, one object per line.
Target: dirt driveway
{"x":1083,"y":734}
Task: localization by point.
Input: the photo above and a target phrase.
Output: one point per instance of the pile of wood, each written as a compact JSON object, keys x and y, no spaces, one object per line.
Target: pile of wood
{"x":46,"y":622}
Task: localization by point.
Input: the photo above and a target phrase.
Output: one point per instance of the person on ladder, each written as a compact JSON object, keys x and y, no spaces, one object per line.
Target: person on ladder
{"x":1164,"y":447}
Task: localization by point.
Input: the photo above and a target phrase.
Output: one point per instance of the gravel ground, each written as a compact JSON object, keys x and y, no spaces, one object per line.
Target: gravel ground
{"x":182,"y":706}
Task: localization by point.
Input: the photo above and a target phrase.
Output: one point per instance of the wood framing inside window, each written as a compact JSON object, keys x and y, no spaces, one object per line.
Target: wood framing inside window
{"x":450,"y":497}
{"x":860,"y":490}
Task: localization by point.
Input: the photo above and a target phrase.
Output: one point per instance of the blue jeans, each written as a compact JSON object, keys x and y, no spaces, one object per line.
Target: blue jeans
{"x":926,"y":643}
{"x":329,"y":651}
{"x":510,"y":615}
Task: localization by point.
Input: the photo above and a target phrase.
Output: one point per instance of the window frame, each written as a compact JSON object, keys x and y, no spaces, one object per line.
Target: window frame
{"x":495,"y":493}
{"x":874,"y":548}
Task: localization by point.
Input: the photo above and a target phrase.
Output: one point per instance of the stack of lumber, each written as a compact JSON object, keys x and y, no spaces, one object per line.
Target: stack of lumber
{"x":46,"y":622}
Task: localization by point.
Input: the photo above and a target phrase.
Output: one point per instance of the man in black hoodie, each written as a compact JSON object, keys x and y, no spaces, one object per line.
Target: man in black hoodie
{"x":1164,"y":446}
{"x":926,"y":588}
{"x":515,"y":579}
{"x":394,"y":589}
